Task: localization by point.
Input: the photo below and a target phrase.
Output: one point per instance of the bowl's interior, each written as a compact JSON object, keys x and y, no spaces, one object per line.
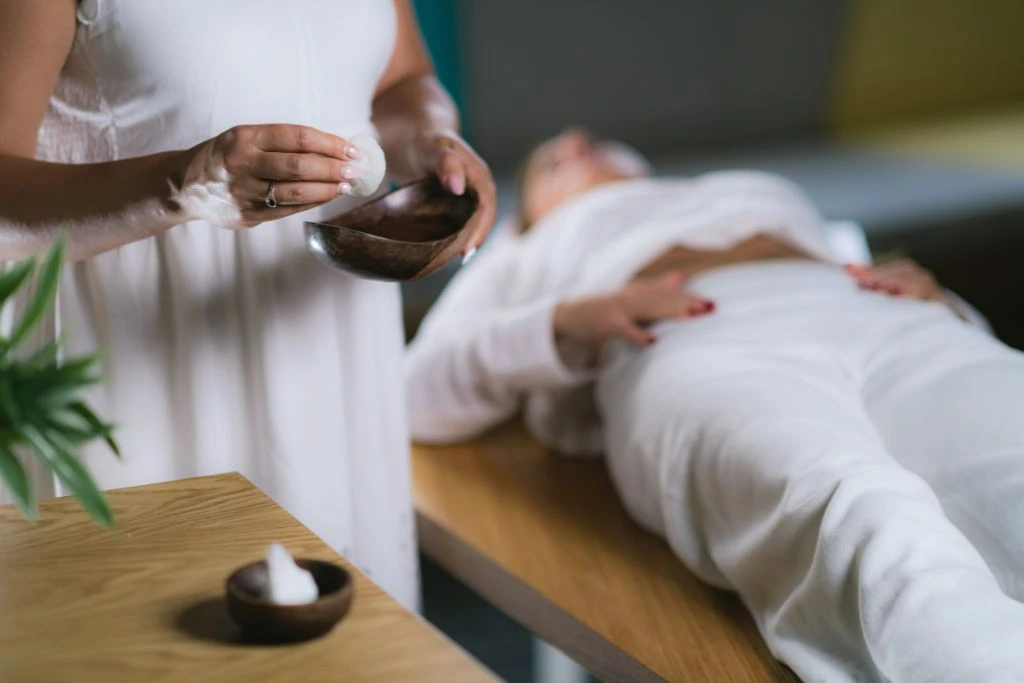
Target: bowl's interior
{"x":423,"y":211}
{"x":250,"y":581}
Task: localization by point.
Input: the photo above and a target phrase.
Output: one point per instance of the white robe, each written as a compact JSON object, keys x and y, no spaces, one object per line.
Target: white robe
{"x":487,"y":344}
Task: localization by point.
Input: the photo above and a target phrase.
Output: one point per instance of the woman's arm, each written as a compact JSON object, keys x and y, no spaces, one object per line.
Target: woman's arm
{"x":475,"y":355}
{"x":36,"y":198}
{"x":419,"y":126}
{"x":103,"y":206}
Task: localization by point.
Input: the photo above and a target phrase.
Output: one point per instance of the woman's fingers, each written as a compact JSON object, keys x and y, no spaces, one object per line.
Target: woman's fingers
{"x":452,"y":172}
{"x":662,"y":304}
{"x":288,"y":193}
{"x":292,"y":138}
{"x":307,"y":167}
{"x":484,"y":218}
{"x":673,"y":279}
{"x":471,"y":172}
{"x":872,"y":278}
{"x":664,"y":297}
{"x":685,"y":306}
{"x":883,"y":285}
{"x":460,"y":169}
{"x":635,"y":334}
{"x":903,"y":279}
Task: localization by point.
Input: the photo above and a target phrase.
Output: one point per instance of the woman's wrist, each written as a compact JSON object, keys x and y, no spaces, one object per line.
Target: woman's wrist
{"x":170,"y":172}
{"x":576,"y":353}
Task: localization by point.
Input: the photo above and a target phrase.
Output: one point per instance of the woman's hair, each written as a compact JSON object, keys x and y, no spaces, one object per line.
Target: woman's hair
{"x":640,"y":166}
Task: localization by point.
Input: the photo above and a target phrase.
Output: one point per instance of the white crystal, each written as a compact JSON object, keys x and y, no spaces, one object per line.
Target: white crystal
{"x":287,"y":582}
{"x":372,"y":165}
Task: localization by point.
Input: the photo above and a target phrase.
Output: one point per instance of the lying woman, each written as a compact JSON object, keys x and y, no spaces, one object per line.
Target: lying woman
{"x":839,"y":446}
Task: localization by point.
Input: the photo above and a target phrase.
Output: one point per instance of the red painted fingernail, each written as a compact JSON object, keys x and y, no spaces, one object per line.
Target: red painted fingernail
{"x":651,"y":340}
{"x":709,"y":306}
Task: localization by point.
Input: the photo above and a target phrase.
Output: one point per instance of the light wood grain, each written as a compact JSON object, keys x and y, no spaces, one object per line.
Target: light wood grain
{"x":546,"y":540}
{"x":143,"y":603}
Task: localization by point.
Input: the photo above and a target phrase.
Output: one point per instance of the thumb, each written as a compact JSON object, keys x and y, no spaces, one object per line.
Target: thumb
{"x":636,"y":335}
{"x":452,"y":173}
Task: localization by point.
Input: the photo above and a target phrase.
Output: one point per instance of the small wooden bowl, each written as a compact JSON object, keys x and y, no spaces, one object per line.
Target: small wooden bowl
{"x":264,"y":622}
{"x":404,"y":235}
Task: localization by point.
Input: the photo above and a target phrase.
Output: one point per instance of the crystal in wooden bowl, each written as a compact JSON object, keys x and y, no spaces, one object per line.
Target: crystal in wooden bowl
{"x":265,"y":622}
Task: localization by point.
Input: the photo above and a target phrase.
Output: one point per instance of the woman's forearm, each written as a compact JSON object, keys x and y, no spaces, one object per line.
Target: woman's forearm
{"x":99,"y":206}
{"x":406,"y":114}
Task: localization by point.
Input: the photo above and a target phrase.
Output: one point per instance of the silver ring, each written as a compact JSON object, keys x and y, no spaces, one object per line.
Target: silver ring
{"x":270,"y":200}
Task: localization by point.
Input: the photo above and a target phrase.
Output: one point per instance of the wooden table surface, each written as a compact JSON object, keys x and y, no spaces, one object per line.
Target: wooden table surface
{"x":546,"y":540}
{"x":144,"y":603}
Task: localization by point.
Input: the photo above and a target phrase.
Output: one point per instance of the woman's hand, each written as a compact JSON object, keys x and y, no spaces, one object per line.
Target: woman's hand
{"x":903,"y":279}
{"x":453,"y":161}
{"x":227,"y":179}
{"x":583,"y":326}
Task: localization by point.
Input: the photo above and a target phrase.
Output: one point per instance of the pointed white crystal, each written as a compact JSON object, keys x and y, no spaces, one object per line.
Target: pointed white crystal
{"x":372,"y":165}
{"x":287,"y":582}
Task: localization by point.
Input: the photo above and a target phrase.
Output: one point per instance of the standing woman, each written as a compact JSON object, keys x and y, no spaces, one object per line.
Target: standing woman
{"x":176,"y":143}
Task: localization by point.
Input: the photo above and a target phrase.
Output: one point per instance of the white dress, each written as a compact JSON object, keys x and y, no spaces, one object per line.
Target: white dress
{"x":237,"y":351}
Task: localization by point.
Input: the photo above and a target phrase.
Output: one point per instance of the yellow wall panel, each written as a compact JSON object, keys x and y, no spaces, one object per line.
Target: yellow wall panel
{"x":908,"y":59}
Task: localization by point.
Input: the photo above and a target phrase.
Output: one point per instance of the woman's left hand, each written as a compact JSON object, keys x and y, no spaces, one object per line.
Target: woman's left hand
{"x":459,"y":168}
{"x":903,"y":279}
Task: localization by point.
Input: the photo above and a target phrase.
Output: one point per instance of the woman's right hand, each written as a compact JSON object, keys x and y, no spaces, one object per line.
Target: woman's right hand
{"x":583,"y":326}
{"x":307,"y":167}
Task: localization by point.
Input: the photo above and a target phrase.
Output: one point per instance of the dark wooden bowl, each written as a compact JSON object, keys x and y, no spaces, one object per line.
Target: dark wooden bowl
{"x":404,"y":235}
{"x":265,"y":622}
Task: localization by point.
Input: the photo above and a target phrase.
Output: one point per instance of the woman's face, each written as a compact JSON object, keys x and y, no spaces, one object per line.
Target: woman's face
{"x":571,"y":164}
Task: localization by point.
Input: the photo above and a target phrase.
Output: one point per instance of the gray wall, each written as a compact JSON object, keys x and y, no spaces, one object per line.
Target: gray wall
{"x":663,"y":74}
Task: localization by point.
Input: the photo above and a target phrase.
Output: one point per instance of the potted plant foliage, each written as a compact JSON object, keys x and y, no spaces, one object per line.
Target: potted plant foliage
{"x":42,"y":412}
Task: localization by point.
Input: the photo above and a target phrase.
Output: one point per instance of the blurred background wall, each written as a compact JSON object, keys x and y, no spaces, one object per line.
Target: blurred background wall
{"x":668,"y":75}
{"x":904,"y":115}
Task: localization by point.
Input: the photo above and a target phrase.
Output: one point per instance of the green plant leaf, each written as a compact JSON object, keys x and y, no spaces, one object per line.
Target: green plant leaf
{"x":74,"y":434}
{"x":14,"y":277}
{"x":13,"y":474}
{"x":43,"y":357}
{"x":75,"y":372}
{"x":40,"y":405}
{"x":45,"y":291}
{"x":83,"y":411}
{"x":58,"y":397}
{"x":9,"y":413}
{"x":74,"y":428}
{"x":72,"y":473}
